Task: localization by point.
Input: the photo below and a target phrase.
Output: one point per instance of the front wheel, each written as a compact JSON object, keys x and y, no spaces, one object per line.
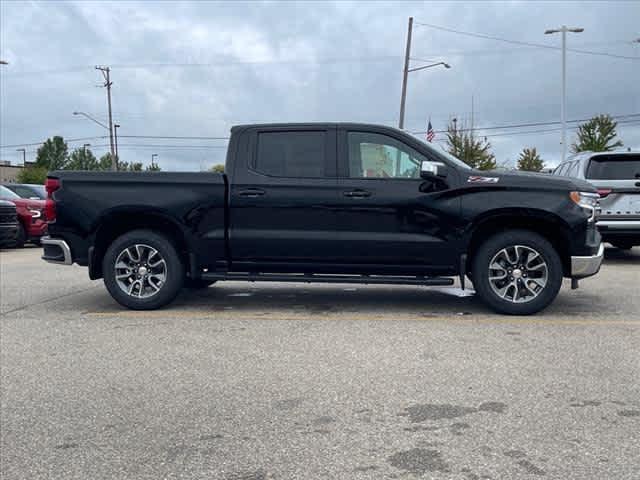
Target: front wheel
{"x":142,"y":270}
{"x":517,"y":272}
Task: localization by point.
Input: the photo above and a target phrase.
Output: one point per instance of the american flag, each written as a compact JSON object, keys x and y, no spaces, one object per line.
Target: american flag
{"x":430,"y":133}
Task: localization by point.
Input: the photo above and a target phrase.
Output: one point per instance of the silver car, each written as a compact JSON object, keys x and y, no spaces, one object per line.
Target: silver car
{"x":616,"y":175}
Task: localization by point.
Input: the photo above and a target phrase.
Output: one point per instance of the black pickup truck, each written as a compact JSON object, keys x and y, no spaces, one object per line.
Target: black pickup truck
{"x":331,"y":202}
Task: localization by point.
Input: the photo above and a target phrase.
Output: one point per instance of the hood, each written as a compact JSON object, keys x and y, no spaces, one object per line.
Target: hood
{"x":542,"y":181}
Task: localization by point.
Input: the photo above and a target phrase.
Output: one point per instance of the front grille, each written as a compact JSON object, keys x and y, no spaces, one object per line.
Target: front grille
{"x":8,"y":217}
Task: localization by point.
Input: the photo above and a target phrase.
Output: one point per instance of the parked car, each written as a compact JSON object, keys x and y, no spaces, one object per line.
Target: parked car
{"x":616,"y":175}
{"x":326,"y":203}
{"x":28,"y":190}
{"x":32,"y":224}
{"x":8,"y":224}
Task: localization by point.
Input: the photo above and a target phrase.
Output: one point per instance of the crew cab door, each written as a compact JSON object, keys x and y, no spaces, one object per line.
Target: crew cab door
{"x":281,"y":198}
{"x":388,"y":215}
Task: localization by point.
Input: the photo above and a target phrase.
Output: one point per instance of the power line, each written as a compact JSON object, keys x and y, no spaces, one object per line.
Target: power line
{"x":530,"y":124}
{"x":175,"y":137}
{"x":520,"y":42}
{"x":70,"y":140}
{"x":623,"y":119}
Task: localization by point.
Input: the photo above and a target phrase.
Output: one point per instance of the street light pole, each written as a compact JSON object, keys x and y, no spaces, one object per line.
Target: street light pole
{"x":116,"y":126}
{"x":153,"y":155}
{"x":405,"y":73}
{"x":91,"y":118}
{"x":563,"y":105}
{"x":407,"y":70}
{"x":24,"y":156}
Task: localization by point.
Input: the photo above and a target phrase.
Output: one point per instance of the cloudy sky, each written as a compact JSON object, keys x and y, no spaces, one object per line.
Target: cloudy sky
{"x":194,"y":69}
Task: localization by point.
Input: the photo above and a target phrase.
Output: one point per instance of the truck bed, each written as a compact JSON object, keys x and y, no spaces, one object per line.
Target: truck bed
{"x":193,"y":202}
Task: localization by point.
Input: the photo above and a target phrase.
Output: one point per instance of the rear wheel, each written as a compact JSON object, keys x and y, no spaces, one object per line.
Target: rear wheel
{"x":142,"y":270}
{"x":517,"y":272}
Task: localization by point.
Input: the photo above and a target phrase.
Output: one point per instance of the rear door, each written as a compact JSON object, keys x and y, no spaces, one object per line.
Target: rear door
{"x":617,"y":177}
{"x":281,"y":198}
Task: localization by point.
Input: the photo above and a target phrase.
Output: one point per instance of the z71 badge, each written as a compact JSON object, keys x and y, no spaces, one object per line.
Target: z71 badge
{"x":478,"y":179}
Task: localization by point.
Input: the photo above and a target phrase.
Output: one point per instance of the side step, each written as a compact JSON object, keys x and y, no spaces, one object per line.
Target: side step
{"x":320,"y":278}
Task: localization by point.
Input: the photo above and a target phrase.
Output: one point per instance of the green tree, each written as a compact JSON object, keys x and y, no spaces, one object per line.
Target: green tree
{"x":53,"y":154}
{"x":105,"y":162}
{"x":474,"y":152}
{"x":154,"y":167}
{"x":597,"y":135}
{"x":129,"y":167}
{"x":217,"y":168}
{"x":82,"y":159}
{"x":34,"y":174}
{"x":530,"y":160}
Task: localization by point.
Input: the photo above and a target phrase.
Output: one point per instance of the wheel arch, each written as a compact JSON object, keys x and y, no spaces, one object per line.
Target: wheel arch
{"x":548,"y":225}
{"x":118,"y":222}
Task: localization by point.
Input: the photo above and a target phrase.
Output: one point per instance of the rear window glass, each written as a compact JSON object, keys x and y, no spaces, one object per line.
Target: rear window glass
{"x":614,"y":167}
{"x":291,"y":154}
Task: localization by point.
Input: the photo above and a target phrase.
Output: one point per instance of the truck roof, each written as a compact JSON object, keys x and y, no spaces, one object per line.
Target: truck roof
{"x":316,"y":124}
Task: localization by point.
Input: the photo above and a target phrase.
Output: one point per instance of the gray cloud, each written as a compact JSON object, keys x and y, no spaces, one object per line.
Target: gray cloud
{"x":196,"y":68}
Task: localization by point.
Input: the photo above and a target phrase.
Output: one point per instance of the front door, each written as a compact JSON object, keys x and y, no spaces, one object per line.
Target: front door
{"x":388,"y":215}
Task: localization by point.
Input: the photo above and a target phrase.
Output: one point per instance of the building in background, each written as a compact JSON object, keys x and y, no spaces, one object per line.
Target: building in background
{"x":8,"y":172}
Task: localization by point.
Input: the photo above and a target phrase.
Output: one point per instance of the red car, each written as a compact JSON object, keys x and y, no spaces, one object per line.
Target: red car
{"x":33,"y":225}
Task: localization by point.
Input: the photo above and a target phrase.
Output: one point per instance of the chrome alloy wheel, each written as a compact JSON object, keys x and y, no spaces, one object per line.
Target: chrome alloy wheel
{"x":140,"y":271}
{"x":518,"y":274}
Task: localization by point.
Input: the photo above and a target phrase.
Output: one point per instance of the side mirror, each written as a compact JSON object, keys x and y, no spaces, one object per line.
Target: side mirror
{"x":431,"y":170}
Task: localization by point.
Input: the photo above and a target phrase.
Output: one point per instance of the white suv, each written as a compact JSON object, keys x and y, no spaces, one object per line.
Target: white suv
{"x":616,"y":175}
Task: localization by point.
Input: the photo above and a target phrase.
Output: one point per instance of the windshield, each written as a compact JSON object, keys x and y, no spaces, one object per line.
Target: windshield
{"x":6,"y":193}
{"x":443,"y":153}
{"x":38,"y":190}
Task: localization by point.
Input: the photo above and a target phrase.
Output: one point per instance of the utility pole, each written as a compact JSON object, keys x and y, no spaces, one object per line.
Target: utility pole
{"x":405,"y":73}
{"x":563,"y":105}
{"x":116,"y":126}
{"x":24,"y":156}
{"x":106,"y":73}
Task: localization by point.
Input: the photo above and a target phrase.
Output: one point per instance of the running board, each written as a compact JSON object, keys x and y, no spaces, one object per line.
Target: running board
{"x":320,"y":278}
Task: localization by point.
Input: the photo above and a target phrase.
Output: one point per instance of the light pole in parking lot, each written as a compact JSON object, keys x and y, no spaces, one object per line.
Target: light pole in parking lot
{"x":563,"y":105}
{"x":24,"y":156}
{"x":153,"y":156}
{"x":407,"y":70}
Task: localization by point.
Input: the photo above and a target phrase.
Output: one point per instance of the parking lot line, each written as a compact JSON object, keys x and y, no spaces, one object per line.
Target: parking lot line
{"x":279,"y":316}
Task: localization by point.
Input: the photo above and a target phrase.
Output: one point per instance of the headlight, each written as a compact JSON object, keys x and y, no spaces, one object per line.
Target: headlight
{"x":587,"y":200}
{"x":35,"y":213}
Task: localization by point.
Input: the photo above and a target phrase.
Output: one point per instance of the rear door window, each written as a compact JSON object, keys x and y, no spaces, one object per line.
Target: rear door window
{"x":614,"y":167}
{"x":297,"y":154}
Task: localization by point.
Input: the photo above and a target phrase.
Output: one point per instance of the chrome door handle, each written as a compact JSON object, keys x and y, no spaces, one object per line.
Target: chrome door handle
{"x":357,"y":194}
{"x":251,"y":192}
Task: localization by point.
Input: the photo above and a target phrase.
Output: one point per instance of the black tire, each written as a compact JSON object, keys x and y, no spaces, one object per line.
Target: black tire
{"x":21,"y":237}
{"x":197,"y":284}
{"x":174,"y":273}
{"x":481,"y":272}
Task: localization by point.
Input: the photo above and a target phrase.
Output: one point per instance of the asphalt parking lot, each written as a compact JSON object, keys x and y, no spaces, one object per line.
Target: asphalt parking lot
{"x":282,"y":381}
